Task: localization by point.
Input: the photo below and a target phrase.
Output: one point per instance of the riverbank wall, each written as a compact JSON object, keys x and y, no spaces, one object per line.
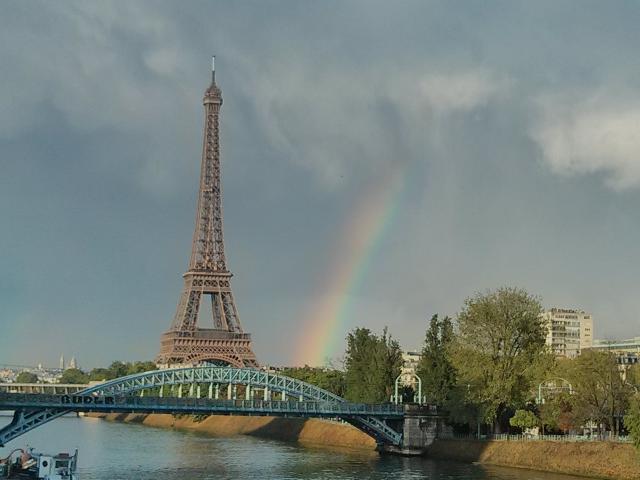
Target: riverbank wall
{"x":606,"y":460}
{"x":308,"y":431}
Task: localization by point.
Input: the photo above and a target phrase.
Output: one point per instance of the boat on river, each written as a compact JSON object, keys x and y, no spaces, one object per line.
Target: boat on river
{"x":27,"y":464}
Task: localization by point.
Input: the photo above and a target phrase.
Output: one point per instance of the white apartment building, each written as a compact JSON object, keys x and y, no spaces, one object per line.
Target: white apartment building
{"x":410,"y":362}
{"x":569,"y":331}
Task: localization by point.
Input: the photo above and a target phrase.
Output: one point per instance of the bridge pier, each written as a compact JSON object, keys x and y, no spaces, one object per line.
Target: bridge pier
{"x":420,"y":426}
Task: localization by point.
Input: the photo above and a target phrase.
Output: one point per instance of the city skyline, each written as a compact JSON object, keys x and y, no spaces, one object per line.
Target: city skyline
{"x":380,"y":177}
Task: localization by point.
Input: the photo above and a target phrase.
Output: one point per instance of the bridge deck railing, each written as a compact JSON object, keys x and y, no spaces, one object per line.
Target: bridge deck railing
{"x":194,"y":405}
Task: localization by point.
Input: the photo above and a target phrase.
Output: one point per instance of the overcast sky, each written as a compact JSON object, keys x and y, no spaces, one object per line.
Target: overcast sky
{"x":515,"y":125}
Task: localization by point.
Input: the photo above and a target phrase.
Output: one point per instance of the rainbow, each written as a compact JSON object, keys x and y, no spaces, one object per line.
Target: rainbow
{"x":325,"y":324}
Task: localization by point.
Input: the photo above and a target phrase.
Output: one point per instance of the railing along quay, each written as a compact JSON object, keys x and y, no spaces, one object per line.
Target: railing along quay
{"x":503,"y":437}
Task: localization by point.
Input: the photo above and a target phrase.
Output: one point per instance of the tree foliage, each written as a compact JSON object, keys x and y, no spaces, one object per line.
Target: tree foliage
{"x":372,"y":364}
{"x":435,"y":368}
{"x":27,"y":377}
{"x":524,"y":419}
{"x":329,"y":379}
{"x":632,"y":420}
{"x":633,"y":376}
{"x":498,"y":350}
{"x":75,"y":376}
{"x":557,"y":412}
{"x":599,"y":391}
{"x":119,"y":369}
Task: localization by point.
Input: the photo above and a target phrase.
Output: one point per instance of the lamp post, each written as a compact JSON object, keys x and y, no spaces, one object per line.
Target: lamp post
{"x":396,"y":396}
{"x":540,"y":399}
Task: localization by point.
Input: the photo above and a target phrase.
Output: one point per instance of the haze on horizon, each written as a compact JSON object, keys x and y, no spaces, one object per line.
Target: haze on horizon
{"x":515,"y":126}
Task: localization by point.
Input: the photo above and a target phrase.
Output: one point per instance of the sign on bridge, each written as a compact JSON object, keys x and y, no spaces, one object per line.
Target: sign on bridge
{"x":87,"y":400}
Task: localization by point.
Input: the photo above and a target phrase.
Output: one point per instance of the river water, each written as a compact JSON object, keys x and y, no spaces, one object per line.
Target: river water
{"x":117,"y":451}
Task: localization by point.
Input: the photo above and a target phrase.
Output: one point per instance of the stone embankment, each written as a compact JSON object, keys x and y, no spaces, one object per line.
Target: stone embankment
{"x":607,"y":460}
{"x":309,"y":431}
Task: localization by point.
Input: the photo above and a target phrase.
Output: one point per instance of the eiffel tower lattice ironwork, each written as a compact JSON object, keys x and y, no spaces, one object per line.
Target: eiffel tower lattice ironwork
{"x":226,"y":343}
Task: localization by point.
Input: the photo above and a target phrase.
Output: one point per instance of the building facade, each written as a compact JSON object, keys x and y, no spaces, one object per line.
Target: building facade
{"x":569,"y":331}
{"x":409,"y":369}
{"x":627,"y":351}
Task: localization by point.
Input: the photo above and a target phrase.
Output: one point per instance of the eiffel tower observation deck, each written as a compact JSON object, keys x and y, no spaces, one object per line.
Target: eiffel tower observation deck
{"x":224,"y":342}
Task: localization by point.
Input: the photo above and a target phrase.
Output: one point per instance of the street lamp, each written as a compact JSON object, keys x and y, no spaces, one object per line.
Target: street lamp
{"x":540,"y":399}
{"x":396,"y":397}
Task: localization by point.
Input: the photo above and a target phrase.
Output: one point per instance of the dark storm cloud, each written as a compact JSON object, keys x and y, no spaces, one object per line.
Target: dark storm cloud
{"x":516,"y":123}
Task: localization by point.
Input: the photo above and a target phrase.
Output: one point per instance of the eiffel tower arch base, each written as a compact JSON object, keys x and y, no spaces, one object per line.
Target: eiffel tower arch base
{"x":206,"y":346}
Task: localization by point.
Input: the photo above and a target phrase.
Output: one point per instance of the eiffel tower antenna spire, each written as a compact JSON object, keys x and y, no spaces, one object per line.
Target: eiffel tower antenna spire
{"x":186,"y":343}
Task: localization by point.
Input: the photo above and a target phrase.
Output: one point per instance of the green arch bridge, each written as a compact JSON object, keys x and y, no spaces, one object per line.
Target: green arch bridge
{"x":210,"y":390}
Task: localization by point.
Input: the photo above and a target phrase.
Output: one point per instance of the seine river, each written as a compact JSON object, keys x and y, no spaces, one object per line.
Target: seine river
{"x":115,"y":451}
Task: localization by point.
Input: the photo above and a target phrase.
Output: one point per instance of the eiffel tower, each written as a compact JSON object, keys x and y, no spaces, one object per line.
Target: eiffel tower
{"x":185,"y":343}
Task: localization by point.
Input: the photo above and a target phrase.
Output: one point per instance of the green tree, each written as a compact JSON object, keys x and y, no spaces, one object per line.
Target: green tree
{"x":101,"y":374}
{"x":26,"y":377}
{"x":600,"y":393}
{"x":633,"y":376}
{"x":75,"y":376}
{"x":435,"y":368}
{"x":557,"y":412}
{"x":358,"y":364}
{"x":140,"y":367}
{"x":498,"y":350}
{"x":330,"y":379}
{"x":632,"y":420}
{"x":372,"y":364}
{"x":524,"y":419}
{"x":388,"y":362}
{"x":119,"y":369}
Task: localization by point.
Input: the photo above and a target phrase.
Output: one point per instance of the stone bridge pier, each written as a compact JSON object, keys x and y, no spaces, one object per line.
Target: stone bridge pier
{"x":421,"y":425}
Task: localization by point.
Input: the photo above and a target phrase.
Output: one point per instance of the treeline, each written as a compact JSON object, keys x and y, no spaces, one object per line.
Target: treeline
{"x":491,"y":370}
{"x":115,"y":370}
{"x":492,"y":367}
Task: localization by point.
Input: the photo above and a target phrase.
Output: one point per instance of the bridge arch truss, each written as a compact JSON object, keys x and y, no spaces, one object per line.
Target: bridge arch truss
{"x":268,"y":382}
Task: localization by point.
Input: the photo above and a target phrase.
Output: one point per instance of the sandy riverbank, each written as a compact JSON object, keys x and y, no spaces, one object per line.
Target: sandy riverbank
{"x":606,"y":460}
{"x":311,"y":431}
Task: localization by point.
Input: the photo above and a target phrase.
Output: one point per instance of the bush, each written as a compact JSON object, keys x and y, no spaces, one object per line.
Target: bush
{"x":524,"y":419}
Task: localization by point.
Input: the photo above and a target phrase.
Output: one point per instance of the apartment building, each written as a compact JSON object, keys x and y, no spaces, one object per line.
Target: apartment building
{"x":569,"y":331}
{"x":409,"y":369}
